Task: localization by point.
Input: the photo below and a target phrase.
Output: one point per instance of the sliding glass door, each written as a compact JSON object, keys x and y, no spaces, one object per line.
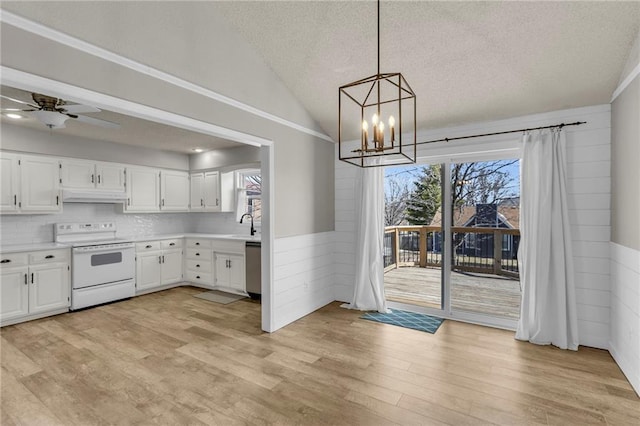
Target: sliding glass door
{"x":452,"y":237}
{"x":484,"y":234}
{"x":413,"y":236}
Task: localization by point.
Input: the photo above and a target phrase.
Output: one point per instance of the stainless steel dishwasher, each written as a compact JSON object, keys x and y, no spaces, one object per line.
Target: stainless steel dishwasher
{"x":253,"y":265}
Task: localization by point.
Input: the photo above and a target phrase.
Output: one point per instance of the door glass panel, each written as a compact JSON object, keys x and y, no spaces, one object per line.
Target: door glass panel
{"x":485,"y":233}
{"x":413,"y":235}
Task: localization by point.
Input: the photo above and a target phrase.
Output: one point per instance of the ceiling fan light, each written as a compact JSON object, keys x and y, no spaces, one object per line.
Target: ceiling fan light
{"x":51,"y":119}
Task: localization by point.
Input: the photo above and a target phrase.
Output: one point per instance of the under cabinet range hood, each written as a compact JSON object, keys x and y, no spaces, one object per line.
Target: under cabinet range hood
{"x":93,"y":196}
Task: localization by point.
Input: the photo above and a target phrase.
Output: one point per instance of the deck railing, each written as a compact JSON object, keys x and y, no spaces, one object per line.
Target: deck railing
{"x":475,"y":249}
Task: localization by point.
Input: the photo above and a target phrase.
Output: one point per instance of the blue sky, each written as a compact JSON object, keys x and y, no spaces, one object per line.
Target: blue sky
{"x":407,"y":174}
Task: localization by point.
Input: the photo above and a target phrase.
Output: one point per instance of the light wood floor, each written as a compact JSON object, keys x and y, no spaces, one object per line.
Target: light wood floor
{"x":477,"y":293}
{"x":170,"y":358}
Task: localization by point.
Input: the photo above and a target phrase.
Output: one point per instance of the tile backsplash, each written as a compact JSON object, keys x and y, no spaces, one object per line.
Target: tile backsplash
{"x":23,"y":229}
{"x":38,"y":228}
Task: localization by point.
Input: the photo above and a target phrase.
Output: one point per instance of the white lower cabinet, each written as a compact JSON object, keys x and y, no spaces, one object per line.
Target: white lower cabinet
{"x":34,"y":284}
{"x":198,"y":262}
{"x":216,"y":263}
{"x":158,"y":263}
{"x":230,"y":271}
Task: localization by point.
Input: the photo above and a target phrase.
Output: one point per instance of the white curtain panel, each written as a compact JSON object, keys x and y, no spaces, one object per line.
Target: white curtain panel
{"x":368,"y":294}
{"x":548,"y":310}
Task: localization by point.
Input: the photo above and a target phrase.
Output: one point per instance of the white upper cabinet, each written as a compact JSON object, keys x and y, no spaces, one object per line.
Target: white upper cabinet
{"x":213,"y":192}
{"x":196,"y":186}
{"x":30,"y":184}
{"x":9,"y":181}
{"x":39,"y":182}
{"x":143,"y":189}
{"x":77,"y":174}
{"x":174,"y":189}
{"x":83,"y":174}
{"x":110,"y":176}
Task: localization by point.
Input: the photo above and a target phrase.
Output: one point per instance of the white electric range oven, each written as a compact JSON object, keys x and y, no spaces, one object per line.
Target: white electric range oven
{"x":102,"y":267}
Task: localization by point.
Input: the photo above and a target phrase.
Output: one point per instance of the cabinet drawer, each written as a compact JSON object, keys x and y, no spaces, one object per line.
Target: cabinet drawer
{"x":198,"y":266}
{"x":8,"y":260}
{"x":171,"y":244}
{"x":198,"y":243}
{"x":49,"y":256}
{"x":148,"y":246}
{"x":199,"y":254}
{"x":200,"y":277}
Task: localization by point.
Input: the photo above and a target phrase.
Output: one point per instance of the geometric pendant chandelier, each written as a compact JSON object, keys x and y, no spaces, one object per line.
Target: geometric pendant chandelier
{"x":377,"y":119}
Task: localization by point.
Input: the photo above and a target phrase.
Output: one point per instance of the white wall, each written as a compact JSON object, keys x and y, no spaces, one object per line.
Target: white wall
{"x":303,"y":276}
{"x":625,"y":311}
{"x":625,"y":227}
{"x":24,"y":139}
{"x":588,"y":186}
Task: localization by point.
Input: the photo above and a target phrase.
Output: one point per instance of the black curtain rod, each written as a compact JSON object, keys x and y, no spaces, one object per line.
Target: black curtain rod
{"x":559,"y":126}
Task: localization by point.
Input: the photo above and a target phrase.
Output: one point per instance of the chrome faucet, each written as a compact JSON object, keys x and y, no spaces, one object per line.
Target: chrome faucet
{"x":253,"y":230}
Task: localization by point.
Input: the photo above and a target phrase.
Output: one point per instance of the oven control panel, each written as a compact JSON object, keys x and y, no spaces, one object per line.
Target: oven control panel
{"x":84,"y":228}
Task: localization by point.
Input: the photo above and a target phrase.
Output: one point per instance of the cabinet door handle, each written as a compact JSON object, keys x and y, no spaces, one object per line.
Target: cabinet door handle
{"x":32,"y":278}
{"x":15,"y":199}
{"x":128,"y":201}
{"x":147,"y":246}
{"x":197,"y":266}
{"x":50,"y":256}
{"x":93,"y":179}
{"x":197,"y":244}
{"x":26,"y":279}
{"x":57,"y":200}
{"x":162,"y":258}
{"x":201,"y":202}
{"x":198,"y":276}
{"x":5,"y":261}
{"x":159,"y":259}
{"x":98,"y":178}
{"x":172,"y":244}
{"x":163,"y":202}
{"x":217,"y":202}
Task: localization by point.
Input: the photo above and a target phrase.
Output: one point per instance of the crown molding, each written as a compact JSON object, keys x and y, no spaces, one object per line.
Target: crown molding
{"x":627,"y":81}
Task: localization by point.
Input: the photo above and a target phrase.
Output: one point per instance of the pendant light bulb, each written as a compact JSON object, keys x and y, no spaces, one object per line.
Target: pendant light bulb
{"x":374,"y":119}
{"x":392,"y":121}
{"x":365,"y":125}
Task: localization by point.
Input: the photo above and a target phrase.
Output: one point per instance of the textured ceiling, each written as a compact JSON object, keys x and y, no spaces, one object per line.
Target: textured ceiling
{"x":466,"y":61}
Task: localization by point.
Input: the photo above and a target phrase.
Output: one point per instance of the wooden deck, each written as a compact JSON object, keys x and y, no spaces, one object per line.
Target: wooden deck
{"x":477,"y":293}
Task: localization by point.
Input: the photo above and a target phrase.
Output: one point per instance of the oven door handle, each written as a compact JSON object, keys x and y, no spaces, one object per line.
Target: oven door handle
{"x":78,"y":251}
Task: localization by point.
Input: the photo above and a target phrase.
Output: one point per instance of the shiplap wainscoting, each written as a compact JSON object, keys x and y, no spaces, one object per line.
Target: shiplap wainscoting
{"x":302,"y":276}
{"x":345,"y":233}
{"x":588,"y":157}
{"x":625,"y":308}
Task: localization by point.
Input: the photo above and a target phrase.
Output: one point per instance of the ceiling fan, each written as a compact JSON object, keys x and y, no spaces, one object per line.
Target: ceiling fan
{"x":53,"y":112}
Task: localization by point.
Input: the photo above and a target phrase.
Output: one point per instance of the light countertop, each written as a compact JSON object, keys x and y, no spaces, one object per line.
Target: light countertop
{"x":15,"y":248}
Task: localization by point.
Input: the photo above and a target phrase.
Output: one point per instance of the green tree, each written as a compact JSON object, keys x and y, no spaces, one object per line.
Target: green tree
{"x":426,"y":196}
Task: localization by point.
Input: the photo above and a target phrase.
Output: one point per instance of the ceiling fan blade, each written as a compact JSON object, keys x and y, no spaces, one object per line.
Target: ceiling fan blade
{"x":16,"y":110}
{"x":20,"y":102}
{"x":96,"y":121}
{"x":77,"y":109}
